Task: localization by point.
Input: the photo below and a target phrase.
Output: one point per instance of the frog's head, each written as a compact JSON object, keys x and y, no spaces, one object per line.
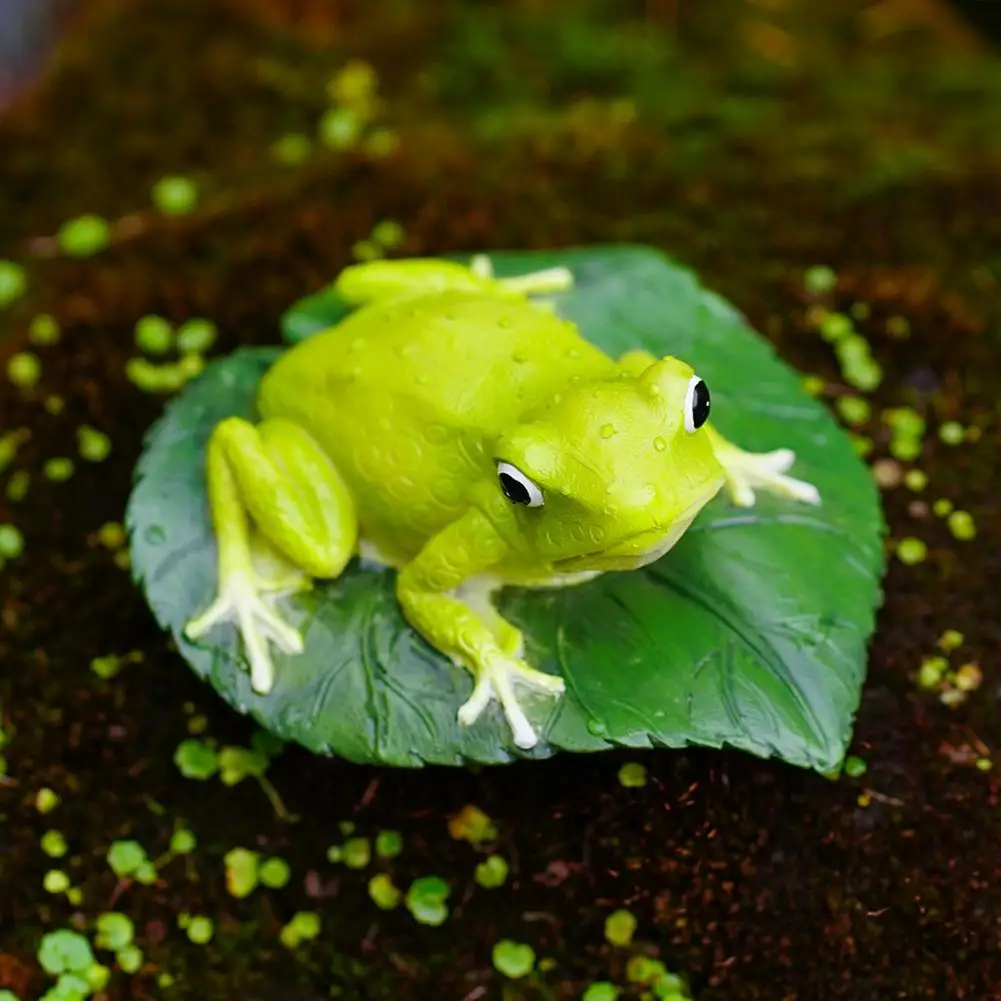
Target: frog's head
{"x":610,"y":474}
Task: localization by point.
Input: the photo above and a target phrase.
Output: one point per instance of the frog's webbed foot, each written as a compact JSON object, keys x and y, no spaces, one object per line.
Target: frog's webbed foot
{"x":747,"y":472}
{"x":374,"y":281}
{"x":498,"y":680}
{"x":241,"y":601}
{"x":545,"y":281}
{"x":281,"y":516}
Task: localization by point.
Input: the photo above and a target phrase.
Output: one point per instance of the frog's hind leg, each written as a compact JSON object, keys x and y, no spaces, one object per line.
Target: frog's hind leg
{"x":373,"y":281}
{"x":276,"y":480}
{"x":545,"y":281}
{"x":745,"y":472}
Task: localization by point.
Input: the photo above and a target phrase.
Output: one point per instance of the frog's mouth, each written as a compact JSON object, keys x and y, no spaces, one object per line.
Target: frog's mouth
{"x":641,"y":549}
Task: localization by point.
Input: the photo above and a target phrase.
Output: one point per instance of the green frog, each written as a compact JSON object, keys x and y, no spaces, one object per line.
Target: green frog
{"x":457,"y":429}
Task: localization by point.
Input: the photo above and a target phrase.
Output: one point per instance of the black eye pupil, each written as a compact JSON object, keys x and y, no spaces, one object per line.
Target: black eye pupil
{"x":700,"y":404}
{"x":514,"y":491}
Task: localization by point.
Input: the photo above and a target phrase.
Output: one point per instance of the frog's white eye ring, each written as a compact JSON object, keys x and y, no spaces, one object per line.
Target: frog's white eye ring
{"x":697,"y":404}
{"x":517,"y":487}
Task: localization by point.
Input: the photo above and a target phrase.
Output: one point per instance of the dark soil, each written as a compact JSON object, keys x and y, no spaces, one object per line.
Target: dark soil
{"x":767,"y":138}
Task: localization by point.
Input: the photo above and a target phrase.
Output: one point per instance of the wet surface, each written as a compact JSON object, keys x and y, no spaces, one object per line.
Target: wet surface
{"x":752,"y":879}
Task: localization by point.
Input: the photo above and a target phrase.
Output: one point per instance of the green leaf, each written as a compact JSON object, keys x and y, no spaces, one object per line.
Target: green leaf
{"x":241,"y":871}
{"x":491,"y":872}
{"x":274,"y":873}
{"x":383,"y":892}
{"x":196,"y":759}
{"x":129,"y":958}
{"x":620,"y":926}
{"x":126,"y":857}
{"x":752,"y":632}
{"x":312,"y":314}
{"x":182,"y":841}
{"x":388,"y":844}
{"x":114,"y":931}
{"x":513,"y":959}
{"x":64,"y":951}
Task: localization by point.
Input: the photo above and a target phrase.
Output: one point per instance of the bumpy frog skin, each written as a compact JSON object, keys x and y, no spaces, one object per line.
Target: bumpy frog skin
{"x":456,"y":430}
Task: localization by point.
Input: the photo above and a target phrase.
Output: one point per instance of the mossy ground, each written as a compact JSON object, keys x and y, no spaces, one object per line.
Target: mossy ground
{"x":766,"y":138}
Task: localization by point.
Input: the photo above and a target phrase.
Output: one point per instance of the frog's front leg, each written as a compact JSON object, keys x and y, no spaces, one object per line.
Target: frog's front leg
{"x":442,"y":596}
{"x":477,"y":594}
{"x":745,"y":472}
{"x":371,"y":281}
{"x":276,"y":479}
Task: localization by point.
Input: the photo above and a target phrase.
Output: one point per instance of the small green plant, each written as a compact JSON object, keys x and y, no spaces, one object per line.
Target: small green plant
{"x":491,"y":872}
{"x":620,"y":926}
{"x":274,"y":873}
{"x":128,"y":860}
{"x":84,"y":236}
{"x":426,"y":900}
{"x":67,"y":955}
{"x":54,"y":844}
{"x":388,"y":844}
{"x":601,"y":990}
{"x":473,"y":825}
{"x":198,"y":927}
{"x":384,"y":893}
{"x":175,"y":195}
{"x":632,"y":775}
{"x":196,"y":759}
{"x":514,"y":959}
{"x":241,"y":871}
{"x":114,"y":931}
{"x":303,"y":927}
{"x":182,"y":841}
{"x":13,"y":282}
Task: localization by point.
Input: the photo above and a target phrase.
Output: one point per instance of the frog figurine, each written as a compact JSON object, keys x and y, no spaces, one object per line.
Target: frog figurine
{"x":463,"y":433}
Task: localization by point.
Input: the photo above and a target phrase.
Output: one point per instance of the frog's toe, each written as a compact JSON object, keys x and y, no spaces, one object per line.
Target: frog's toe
{"x":481,"y":266}
{"x":257,"y":622}
{"x":747,"y":472}
{"x":798,"y":490}
{"x":499,"y":682}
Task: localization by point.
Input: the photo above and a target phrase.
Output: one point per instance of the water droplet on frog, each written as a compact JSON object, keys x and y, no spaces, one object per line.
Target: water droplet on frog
{"x":573,"y":353}
{"x":155,"y":535}
{"x":659,"y":443}
{"x":519,"y":357}
{"x":356,"y":344}
{"x":608,"y":430}
{"x":596,"y":728}
{"x":505,"y":322}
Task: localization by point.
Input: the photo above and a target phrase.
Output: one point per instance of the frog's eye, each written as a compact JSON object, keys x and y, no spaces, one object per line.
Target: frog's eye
{"x":696,"y":404}
{"x":517,"y":487}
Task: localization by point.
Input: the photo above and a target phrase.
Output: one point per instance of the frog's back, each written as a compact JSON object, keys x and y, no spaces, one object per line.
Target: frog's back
{"x":407,"y":397}
{"x":459,"y":359}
